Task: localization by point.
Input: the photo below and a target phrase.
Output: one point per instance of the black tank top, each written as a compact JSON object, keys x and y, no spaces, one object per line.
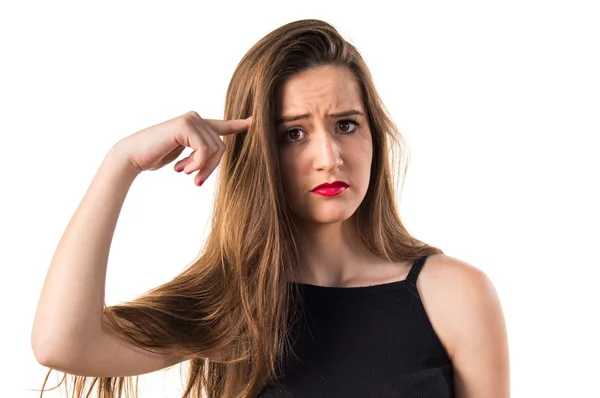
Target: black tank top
{"x":370,"y":341}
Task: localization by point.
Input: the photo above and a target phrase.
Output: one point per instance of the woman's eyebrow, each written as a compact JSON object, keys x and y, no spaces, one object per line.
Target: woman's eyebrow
{"x":293,"y":118}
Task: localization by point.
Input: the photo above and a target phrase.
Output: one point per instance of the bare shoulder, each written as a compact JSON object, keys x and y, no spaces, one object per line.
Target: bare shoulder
{"x":451,"y":289}
{"x":465,"y":311}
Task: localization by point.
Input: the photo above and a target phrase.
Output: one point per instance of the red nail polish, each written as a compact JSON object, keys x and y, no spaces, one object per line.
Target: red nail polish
{"x":201,"y":182}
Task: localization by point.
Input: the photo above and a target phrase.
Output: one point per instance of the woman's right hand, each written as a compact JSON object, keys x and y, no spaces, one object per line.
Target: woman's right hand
{"x":158,"y":145}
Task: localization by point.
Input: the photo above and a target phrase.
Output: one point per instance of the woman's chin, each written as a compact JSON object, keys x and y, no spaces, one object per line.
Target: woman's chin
{"x":329,"y":216}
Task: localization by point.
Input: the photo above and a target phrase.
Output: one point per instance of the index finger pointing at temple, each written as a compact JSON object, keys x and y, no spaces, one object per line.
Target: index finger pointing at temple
{"x":226,"y":127}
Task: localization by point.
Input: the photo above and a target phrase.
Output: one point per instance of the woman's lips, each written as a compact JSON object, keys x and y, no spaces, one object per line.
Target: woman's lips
{"x":330,"y":190}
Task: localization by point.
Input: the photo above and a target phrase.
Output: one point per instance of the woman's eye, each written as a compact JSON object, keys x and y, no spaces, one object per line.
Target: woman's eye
{"x":343,"y":127}
{"x":293,"y":134}
{"x":347,"y":126}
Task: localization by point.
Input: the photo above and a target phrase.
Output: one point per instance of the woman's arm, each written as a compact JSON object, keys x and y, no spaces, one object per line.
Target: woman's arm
{"x":68,"y":332}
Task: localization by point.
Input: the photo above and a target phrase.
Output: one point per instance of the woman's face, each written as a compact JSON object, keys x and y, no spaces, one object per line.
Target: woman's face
{"x":323,"y":136}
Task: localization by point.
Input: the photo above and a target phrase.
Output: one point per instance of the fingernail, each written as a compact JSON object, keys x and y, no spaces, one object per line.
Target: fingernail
{"x":201,"y":182}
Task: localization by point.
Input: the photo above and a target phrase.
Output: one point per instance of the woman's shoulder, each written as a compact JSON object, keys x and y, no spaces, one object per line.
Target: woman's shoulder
{"x":466,"y":313}
{"x":441,"y":267}
{"x":454,"y":293}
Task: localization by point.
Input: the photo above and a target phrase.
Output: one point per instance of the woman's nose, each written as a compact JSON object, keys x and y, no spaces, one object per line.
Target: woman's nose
{"x":326,"y":152}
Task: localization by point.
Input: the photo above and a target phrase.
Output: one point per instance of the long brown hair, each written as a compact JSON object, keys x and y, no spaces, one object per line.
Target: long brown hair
{"x":234,"y":299}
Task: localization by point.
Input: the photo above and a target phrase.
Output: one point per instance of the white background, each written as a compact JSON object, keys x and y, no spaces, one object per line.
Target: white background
{"x":499,"y":102}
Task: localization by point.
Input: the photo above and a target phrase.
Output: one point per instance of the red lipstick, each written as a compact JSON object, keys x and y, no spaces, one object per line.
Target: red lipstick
{"x":330,"y":189}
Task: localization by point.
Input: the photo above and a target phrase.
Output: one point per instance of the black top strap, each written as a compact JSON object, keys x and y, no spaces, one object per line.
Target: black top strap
{"x":415,"y":269}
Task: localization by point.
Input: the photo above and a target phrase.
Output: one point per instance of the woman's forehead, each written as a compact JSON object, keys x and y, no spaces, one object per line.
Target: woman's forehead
{"x":323,"y":89}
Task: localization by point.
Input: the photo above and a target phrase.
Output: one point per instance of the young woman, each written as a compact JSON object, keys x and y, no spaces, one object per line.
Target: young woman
{"x":309,"y":284}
